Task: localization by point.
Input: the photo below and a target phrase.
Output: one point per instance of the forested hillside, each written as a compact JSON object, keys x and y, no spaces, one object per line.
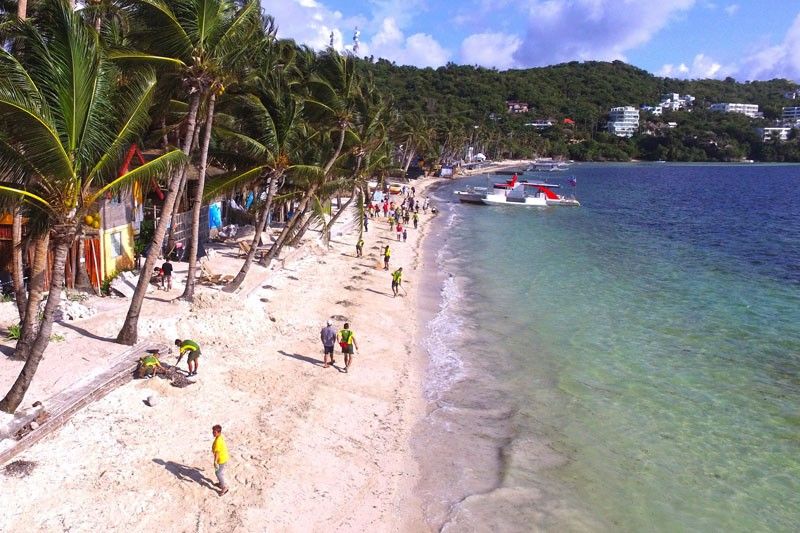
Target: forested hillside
{"x":469,"y":102}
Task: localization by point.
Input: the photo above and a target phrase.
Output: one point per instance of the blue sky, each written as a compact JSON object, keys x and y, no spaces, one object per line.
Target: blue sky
{"x":746,"y":39}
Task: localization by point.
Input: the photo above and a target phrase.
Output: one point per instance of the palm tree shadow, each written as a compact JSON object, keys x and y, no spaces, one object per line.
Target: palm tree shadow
{"x":299,"y":357}
{"x":186,"y":473}
{"x":86,"y":333}
{"x":378,"y":292}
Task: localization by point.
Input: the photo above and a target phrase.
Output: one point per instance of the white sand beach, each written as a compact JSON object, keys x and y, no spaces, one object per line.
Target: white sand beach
{"x":312,"y":448}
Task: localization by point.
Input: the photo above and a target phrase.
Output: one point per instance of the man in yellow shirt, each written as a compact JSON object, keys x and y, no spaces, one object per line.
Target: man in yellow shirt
{"x":220,"y":451}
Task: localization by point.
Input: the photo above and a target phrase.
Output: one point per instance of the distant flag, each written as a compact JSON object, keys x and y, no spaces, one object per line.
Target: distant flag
{"x":573,"y":182}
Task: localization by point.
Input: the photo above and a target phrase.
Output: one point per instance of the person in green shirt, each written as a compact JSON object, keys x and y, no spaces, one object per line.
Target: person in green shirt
{"x":387,"y":253}
{"x":359,"y":247}
{"x":347,"y":340}
{"x":192,"y":349}
{"x":397,"y":280}
{"x":149,"y":366}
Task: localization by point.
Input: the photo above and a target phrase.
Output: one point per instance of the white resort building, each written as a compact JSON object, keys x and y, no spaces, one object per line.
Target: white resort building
{"x":751,"y":110}
{"x":774,"y":134}
{"x":623,"y":121}
{"x":791,"y":116}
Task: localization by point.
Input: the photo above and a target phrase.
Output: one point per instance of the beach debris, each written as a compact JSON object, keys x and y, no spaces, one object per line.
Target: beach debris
{"x":339,"y":318}
{"x":295,"y":278}
{"x":19,"y":468}
{"x":269,"y":287}
{"x":358,"y":278}
{"x":69,"y":308}
{"x":176,"y":378}
{"x":37,"y":421}
{"x":125,"y":283}
{"x":152,"y":400}
{"x":350,"y":288}
{"x":272,"y":318}
{"x":344,"y":303}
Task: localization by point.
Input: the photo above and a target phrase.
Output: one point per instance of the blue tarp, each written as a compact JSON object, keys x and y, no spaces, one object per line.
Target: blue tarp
{"x":215,"y":215}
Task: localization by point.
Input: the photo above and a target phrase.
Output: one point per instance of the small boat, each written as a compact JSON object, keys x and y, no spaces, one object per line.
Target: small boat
{"x":530,"y":194}
{"x":472,"y":195}
{"x":548,"y":164}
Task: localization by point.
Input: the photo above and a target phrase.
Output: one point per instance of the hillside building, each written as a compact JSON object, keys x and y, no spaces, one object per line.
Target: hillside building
{"x":791,"y":116}
{"x":623,"y":121}
{"x":512,"y":106}
{"x":751,"y":110}
{"x":774,"y":134}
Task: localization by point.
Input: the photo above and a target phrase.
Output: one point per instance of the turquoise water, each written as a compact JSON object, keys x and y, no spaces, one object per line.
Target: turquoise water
{"x":630,"y":365}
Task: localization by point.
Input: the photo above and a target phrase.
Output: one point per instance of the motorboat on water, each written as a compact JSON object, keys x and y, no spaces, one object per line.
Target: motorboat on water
{"x":472,"y":195}
{"x":548,"y":164}
{"x":475,"y":195}
{"x":532,"y":194}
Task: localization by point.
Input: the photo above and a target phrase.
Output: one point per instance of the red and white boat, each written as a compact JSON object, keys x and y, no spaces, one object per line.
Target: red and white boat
{"x":532,"y":194}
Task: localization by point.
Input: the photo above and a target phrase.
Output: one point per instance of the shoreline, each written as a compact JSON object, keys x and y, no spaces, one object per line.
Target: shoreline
{"x":307,"y":443}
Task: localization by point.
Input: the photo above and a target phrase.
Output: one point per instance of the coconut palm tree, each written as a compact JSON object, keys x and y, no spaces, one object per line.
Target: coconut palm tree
{"x":66,"y":117}
{"x":271,"y":115}
{"x":201,"y":43}
{"x":333,"y":91}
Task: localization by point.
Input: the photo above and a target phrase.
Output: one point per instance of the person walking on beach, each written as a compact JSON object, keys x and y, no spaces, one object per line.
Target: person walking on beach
{"x":366,"y":222}
{"x":387,"y":253}
{"x":415,"y":218}
{"x":166,"y":275}
{"x":220,"y":451}
{"x":359,"y":247}
{"x":347,"y":340}
{"x":193,"y":350}
{"x":397,"y":280}
{"x":328,"y":338}
{"x":405,"y":234}
{"x":399,"y":230}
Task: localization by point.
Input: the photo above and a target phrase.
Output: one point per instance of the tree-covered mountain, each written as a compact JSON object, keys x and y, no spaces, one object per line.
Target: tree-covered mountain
{"x":456,"y":98}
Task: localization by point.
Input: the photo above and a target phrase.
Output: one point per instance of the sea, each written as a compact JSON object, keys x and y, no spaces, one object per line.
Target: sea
{"x":632,"y":364}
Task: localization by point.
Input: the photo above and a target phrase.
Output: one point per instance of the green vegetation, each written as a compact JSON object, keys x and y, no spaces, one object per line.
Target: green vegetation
{"x":455,"y":99}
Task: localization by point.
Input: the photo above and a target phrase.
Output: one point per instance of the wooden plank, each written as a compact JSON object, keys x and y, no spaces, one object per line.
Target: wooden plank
{"x":63,"y":405}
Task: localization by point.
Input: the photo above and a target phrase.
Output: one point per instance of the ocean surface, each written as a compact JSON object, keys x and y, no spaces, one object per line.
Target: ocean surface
{"x":629,"y":365}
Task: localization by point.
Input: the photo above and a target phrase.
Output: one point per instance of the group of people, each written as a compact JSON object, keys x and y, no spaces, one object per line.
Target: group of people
{"x":346,"y":340}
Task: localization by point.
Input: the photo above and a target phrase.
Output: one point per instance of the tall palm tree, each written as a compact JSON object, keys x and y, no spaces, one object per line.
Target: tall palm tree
{"x":333,"y":92}
{"x":266,"y":147}
{"x":201,"y":42}
{"x":65,"y":122}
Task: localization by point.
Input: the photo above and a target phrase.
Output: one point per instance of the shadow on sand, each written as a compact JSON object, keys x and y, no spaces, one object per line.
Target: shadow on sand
{"x":300,"y":357}
{"x":186,"y":473}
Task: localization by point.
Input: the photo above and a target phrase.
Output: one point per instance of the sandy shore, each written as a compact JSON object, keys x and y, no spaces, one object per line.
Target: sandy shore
{"x":311,"y":448}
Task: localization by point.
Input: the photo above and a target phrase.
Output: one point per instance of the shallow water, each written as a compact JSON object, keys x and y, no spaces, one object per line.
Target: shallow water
{"x":633,"y":364}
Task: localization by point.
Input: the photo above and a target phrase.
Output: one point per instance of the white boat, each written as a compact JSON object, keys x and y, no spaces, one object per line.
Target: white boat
{"x":529,"y":194}
{"x":548,"y":164}
{"x":472,"y":195}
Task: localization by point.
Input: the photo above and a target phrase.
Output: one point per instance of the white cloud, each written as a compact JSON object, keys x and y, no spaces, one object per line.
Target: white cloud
{"x":419,"y":49}
{"x":309,"y":22}
{"x":778,"y":61}
{"x":702,"y":67}
{"x":566,"y":30}
{"x":490,"y":50}
{"x":732,"y":9}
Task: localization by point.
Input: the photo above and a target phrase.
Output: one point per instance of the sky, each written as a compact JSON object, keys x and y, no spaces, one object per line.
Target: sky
{"x":744,"y":39}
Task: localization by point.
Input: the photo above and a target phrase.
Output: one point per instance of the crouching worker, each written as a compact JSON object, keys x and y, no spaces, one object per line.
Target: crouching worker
{"x":192,"y":349}
{"x":149,"y":366}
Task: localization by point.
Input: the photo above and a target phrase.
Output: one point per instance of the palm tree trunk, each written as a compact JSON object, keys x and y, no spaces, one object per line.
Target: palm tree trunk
{"x":260,"y":226}
{"x":298,"y":235}
{"x":82,"y":281}
{"x":290,"y":226}
{"x":63,"y":236}
{"x":22,"y":9}
{"x":29,"y":325}
{"x":18,"y":270}
{"x":334,"y":218}
{"x":181,"y":190}
{"x":188,"y":291}
{"x":129,"y":333}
